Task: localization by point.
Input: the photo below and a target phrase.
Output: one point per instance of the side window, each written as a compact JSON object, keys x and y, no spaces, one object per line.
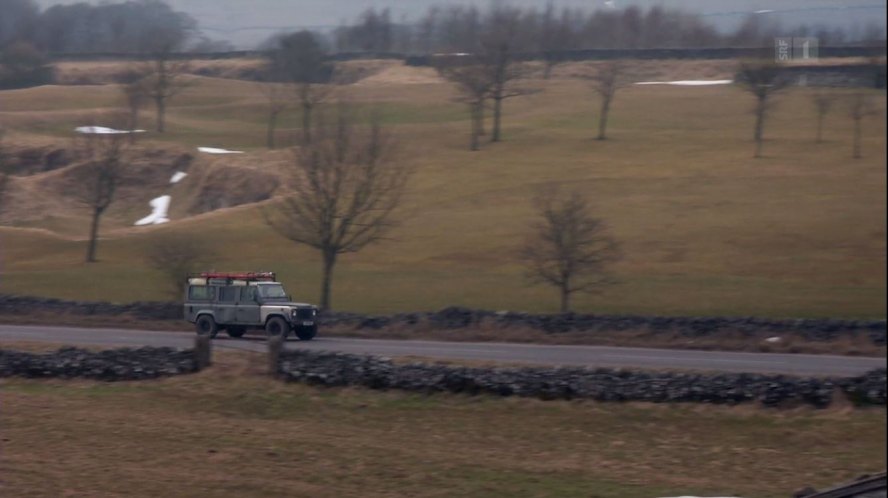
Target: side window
{"x":227,"y":294}
{"x":248,"y":293}
{"x":200,"y":293}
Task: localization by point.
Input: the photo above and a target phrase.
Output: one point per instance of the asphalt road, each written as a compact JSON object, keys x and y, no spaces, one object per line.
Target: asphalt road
{"x":588,"y":356}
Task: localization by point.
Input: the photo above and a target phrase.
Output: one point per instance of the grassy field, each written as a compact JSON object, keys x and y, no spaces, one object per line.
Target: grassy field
{"x":230,"y":431}
{"x":705,"y":228}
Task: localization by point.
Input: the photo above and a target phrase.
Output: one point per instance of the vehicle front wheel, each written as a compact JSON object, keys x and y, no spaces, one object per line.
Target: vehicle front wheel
{"x":306,"y":333}
{"x":236,"y":332}
{"x":277,"y":327}
{"x":205,"y":325}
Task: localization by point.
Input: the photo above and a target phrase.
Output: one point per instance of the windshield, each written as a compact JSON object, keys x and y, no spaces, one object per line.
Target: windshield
{"x":275,"y":291}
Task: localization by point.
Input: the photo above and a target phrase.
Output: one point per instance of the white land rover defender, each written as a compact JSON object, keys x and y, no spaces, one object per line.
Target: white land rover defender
{"x":238,"y":301}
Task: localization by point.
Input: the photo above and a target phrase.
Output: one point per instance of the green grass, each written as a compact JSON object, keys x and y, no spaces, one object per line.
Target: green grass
{"x":230,"y":431}
{"x":705,"y":229}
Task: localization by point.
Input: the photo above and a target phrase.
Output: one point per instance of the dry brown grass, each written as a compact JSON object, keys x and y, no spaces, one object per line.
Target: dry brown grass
{"x":231,"y":431}
{"x":706,"y":229}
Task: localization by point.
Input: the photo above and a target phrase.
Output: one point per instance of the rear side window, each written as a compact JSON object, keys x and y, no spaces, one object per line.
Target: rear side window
{"x":227,"y":294}
{"x":200,"y":292}
{"x":248,"y":293}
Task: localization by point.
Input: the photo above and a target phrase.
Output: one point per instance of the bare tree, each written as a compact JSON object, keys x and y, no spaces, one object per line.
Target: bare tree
{"x":102,"y":174}
{"x":278,"y":96}
{"x":301,"y":60}
{"x":568,"y":248}
{"x":762,"y":79}
{"x":498,"y":51}
{"x":823,"y":103}
{"x":474,"y":85}
{"x":556,"y":35}
{"x":607,"y":78}
{"x":175,"y":256}
{"x":165,"y":73}
{"x":134,"y":90}
{"x":346,"y":185}
{"x":860,"y":106}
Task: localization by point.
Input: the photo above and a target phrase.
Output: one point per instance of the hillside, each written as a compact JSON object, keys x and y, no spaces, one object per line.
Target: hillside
{"x":705,"y":229}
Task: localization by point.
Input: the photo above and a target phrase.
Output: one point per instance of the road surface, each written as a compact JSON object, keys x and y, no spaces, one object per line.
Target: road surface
{"x":587,"y":356}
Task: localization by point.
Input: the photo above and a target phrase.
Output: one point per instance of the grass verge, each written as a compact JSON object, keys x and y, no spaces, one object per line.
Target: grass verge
{"x":231,"y":431}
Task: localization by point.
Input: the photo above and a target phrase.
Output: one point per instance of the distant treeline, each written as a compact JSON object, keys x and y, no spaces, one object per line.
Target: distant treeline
{"x":461,"y":29}
{"x":134,"y":26}
{"x":565,"y":55}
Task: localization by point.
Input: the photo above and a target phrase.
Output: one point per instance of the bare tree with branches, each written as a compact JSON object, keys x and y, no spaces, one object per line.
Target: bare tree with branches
{"x":499,"y":46}
{"x":301,"y":60}
{"x":134,"y":90}
{"x":762,"y":79}
{"x":556,"y":35}
{"x":860,"y":106}
{"x":473,"y":84}
{"x":102,"y":174}
{"x":823,"y":103}
{"x":606,"y":80}
{"x":568,"y":248}
{"x":346,"y":184}
{"x":278,"y":97}
{"x":175,"y":256}
{"x":165,"y":72}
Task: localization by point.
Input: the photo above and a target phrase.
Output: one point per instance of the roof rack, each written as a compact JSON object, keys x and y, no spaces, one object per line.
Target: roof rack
{"x":267,"y":276}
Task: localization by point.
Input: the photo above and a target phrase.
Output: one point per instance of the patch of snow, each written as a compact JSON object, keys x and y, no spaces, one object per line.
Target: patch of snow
{"x":178,"y":176}
{"x":159,"y":208}
{"x":101,"y":130}
{"x":774,"y":339}
{"x":611,"y":4}
{"x":213,"y":150}
{"x":700,"y":497}
{"x":763,"y":11}
{"x":687,"y":82}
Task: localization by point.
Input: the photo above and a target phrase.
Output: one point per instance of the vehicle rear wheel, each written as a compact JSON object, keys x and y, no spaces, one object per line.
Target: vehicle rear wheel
{"x":236,"y":332}
{"x":277,"y":327}
{"x":205,"y":325}
{"x":306,"y":333}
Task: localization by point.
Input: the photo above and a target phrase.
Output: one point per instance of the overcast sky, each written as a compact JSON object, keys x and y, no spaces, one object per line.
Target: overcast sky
{"x":246,"y":22}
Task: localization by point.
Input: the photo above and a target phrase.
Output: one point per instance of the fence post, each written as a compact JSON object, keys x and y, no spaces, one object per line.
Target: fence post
{"x":275,"y":345}
{"x":202,"y":352}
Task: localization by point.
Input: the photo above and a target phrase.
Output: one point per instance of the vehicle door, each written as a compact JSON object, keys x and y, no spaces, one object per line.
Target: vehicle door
{"x":248,"y":306}
{"x":226,"y":305}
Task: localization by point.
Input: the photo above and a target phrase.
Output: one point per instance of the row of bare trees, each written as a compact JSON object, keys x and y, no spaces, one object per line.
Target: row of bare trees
{"x":765,"y":80}
{"x":550,"y":30}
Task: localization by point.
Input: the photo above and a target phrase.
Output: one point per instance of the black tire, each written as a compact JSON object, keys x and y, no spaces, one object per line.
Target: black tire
{"x":277,"y":327}
{"x":236,"y":332}
{"x":306,"y":333}
{"x":205,"y":325}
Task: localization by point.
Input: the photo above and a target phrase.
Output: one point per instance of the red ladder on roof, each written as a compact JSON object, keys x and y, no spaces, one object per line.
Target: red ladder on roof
{"x":244,"y":275}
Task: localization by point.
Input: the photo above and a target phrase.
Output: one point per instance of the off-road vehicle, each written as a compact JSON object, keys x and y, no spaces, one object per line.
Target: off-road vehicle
{"x":240,"y":301}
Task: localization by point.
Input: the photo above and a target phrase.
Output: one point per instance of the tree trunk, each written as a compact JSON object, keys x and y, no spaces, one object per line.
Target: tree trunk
{"x":565,"y":299}
{"x":329,"y":262}
{"x":602,"y":120}
{"x":93,"y":236}
{"x":475,"y":111}
{"x":820,"y":128}
{"x":272,"y":125}
{"x":759,"y":128}
{"x":133,"y":123}
{"x":306,"y":123}
{"x":160,"y":103}
{"x":856,"y":153}
{"x":497,"y":116}
{"x":547,"y":72}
